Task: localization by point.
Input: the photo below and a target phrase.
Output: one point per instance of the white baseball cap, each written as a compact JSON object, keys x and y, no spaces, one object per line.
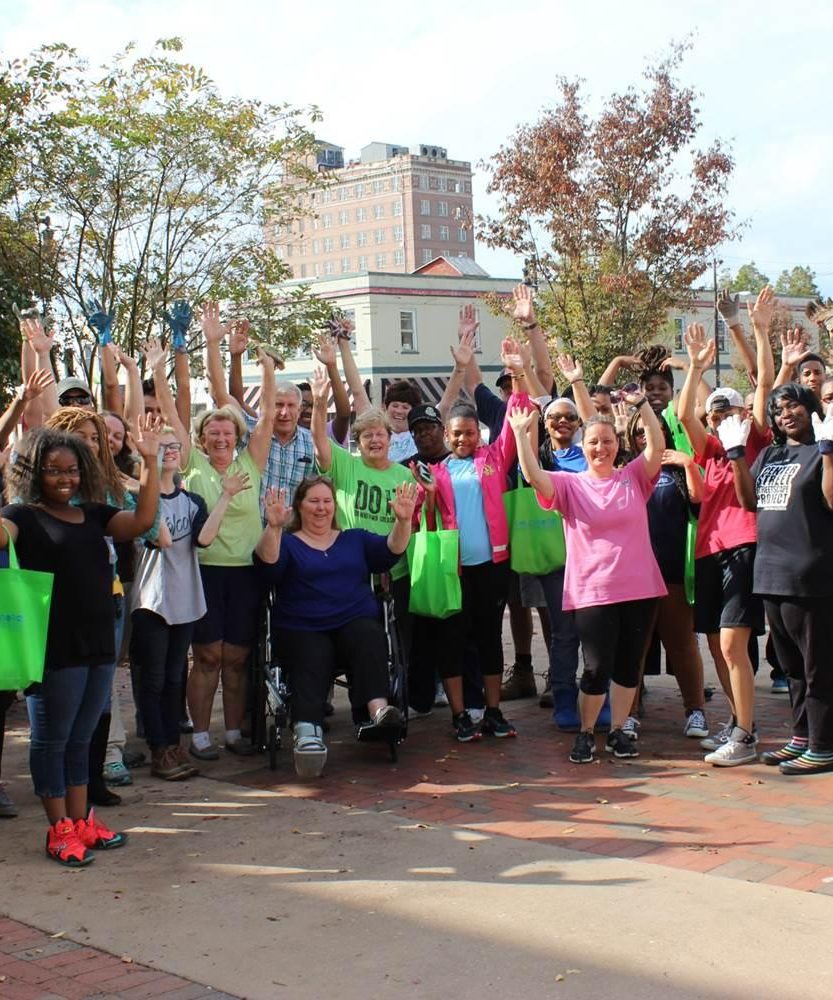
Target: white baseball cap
{"x":724,"y":399}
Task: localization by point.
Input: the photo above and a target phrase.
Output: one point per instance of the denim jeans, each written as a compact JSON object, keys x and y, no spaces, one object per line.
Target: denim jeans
{"x":63,"y":713}
{"x":563,"y":636}
{"x":158,"y":650}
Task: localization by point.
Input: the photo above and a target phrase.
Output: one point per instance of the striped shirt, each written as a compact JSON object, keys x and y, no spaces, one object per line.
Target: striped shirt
{"x":287,"y":463}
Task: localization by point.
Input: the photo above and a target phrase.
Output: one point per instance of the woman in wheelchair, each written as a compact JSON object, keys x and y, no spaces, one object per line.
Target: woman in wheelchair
{"x":325,"y":613}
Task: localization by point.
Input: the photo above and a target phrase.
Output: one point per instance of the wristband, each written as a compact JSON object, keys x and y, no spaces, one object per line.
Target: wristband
{"x":641,"y":401}
{"x":20,"y":393}
{"x":739,"y":450}
{"x":825,"y":446}
{"x":576,"y":380}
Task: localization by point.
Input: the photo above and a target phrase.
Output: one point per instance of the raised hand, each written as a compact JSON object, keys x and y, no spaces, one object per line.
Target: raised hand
{"x":213,"y":329}
{"x":679,"y":363}
{"x":148,"y":437}
{"x":179,"y":319}
{"x":793,"y":347}
{"x":762,"y":311}
{"x":32,"y":329}
{"x":700,"y":350}
{"x":621,"y":415}
{"x":510,"y":355}
{"x":733,"y":432}
{"x":672,"y":457}
{"x":154,"y":353}
{"x":468,"y":323}
{"x":464,"y":351}
{"x":36,"y":383}
{"x":569,"y":367}
{"x":275,"y":509}
{"x":728,"y":306}
{"x":99,"y":321}
{"x":320,"y":385}
{"x":232,"y":485}
{"x":325,"y":351}
{"x":521,"y":420}
{"x":239,"y":340}
{"x":522,"y":306}
{"x":823,"y":430}
{"x":266,"y":361}
{"x":341,"y":327}
{"x":404,"y":501}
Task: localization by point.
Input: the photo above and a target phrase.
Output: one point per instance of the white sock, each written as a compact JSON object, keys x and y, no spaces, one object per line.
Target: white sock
{"x":201,"y":741}
{"x":233,"y":736}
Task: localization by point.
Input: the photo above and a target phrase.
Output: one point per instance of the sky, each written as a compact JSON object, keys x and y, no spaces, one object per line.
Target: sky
{"x":465,"y":74}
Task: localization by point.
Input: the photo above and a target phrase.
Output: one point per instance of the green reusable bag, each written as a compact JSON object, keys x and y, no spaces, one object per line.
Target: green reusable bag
{"x":25,"y":596}
{"x":536,"y":536}
{"x":682,"y":443}
{"x":434,"y":564}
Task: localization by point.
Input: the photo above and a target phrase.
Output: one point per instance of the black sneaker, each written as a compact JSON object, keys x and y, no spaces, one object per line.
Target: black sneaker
{"x":620,"y":745}
{"x":465,"y":729}
{"x":584,"y":749}
{"x":494,"y":724}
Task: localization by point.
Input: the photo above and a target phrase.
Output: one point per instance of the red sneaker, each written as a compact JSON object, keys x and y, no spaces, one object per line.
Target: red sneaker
{"x":64,"y":846}
{"x":96,"y":835}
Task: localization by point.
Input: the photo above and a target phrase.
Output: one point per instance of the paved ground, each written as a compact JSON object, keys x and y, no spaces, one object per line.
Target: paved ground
{"x":459,"y":869}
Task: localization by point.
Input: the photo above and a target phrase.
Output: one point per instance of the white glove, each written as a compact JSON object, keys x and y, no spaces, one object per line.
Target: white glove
{"x":733,"y":433}
{"x":823,"y":430}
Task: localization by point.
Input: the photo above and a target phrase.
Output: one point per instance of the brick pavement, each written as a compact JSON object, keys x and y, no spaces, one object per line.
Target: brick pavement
{"x":38,"y":966}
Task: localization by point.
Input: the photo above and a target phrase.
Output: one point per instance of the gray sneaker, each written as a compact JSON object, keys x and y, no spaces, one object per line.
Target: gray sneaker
{"x":716,"y":740}
{"x":8,"y":810}
{"x":738,"y":749}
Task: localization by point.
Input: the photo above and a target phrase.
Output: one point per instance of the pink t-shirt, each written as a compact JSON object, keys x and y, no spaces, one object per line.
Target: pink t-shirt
{"x":609,"y":554}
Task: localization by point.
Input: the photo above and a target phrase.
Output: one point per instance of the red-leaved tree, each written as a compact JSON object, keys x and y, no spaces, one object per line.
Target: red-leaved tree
{"x":619,"y":213}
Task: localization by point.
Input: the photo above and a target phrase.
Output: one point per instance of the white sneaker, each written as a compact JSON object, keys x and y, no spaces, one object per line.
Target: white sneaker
{"x":696,"y":727}
{"x":310,"y":753}
{"x":630,"y":727}
{"x":738,"y":749}
{"x":476,"y":715}
{"x":440,"y":698}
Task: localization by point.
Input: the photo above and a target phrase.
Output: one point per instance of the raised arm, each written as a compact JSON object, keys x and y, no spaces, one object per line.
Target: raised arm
{"x":573,"y":372}
{"x":134,"y":397}
{"x":733,"y":433}
{"x":794,"y":349}
{"x":654,"y":438}
{"x":41,"y":343}
{"x":325,"y":354}
{"x":232,"y":485}
{"x":260,"y":440}
{"x":522,"y":309}
{"x":823,"y":430}
{"x":275,"y":514}
{"x":463,"y":354}
{"x":320,"y":385}
{"x":27,"y":393}
{"x":182,"y":380}
{"x":215,"y":333}
{"x":129,"y":524}
{"x":728,"y":306}
{"x":155,"y":361}
{"x":761,"y":316}
{"x":351,"y":371}
{"x":611,"y":373}
{"x":521,"y":424}
{"x":108,"y":356}
{"x":237,"y":346}
{"x":701,"y":354}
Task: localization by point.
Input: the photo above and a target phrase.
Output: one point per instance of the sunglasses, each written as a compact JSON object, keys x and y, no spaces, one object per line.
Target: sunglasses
{"x":84,"y":400}
{"x":572,"y":417}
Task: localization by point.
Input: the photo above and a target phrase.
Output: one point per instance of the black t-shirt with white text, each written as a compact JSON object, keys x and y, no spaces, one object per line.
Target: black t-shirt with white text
{"x":794,"y":557}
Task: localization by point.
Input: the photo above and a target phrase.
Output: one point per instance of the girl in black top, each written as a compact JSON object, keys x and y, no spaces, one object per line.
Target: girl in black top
{"x":54,"y":535}
{"x":790,"y":485}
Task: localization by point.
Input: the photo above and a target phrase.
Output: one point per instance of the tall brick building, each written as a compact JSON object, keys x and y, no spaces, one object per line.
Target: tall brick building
{"x":394,"y":209}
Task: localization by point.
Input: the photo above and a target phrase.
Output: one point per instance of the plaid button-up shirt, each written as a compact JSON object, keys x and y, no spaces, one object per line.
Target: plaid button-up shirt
{"x":288,"y":463}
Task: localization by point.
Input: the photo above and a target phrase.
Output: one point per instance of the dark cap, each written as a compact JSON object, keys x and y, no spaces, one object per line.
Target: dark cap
{"x":504,"y":375}
{"x":425,"y":412}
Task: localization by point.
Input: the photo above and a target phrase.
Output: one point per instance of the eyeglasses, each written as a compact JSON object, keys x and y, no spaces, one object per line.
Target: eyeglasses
{"x":639,"y":432}
{"x":172,"y":446}
{"x":53,"y":473}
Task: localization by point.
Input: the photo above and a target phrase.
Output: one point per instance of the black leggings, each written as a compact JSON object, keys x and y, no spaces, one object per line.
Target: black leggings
{"x":485,"y":588}
{"x":158,"y":651}
{"x":613,"y":639}
{"x":312,"y":659}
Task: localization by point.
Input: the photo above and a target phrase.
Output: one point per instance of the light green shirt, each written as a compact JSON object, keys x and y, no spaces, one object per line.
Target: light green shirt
{"x":364,"y":495}
{"x":242,"y":526}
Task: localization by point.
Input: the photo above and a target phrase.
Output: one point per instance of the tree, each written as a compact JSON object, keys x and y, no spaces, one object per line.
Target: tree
{"x":749,"y":279}
{"x":800,"y":283}
{"x":159,"y":188}
{"x":619,"y":212}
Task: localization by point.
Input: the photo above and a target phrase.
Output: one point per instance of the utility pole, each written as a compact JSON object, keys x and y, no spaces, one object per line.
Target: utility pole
{"x":716,"y":327}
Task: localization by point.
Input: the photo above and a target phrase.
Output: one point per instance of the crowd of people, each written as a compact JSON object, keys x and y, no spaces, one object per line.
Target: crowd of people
{"x":659,"y":516}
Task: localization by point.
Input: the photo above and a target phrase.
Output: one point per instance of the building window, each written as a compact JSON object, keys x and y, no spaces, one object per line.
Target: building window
{"x":398,"y":234}
{"x":300,"y":225}
{"x":425,"y":231}
{"x":407,"y":331}
{"x":423,"y":182}
{"x":345,"y":241}
{"x":444,"y":233}
{"x":424,"y":207}
{"x":328,"y":267}
{"x":381,"y":261}
{"x":378,"y":211}
{"x":303,"y":273}
{"x":379,"y":236}
{"x":427,"y":255}
{"x":397,"y":208}
{"x":328,"y":245}
{"x":399,"y":256}
{"x":345,"y":265}
{"x":442,"y":208}
{"x":343,"y":194}
{"x":442,"y":184}
{"x":326,"y":195}
{"x":362,"y":263}
{"x":361,"y":215}
{"x":378,"y":186}
{"x":343,"y":217}
{"x":361,"y":240}
{"x":316,"y":270}
{"x":462,"y":235}
{"x":316,"y":246}
{"x":328,"y":221}
{"x":360,"y":190}
{"x":396,"y":184}
{"x":679,"y":326}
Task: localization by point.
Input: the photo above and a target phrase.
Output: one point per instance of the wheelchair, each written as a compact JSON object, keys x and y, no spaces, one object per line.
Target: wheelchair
{"x":274,"y":701}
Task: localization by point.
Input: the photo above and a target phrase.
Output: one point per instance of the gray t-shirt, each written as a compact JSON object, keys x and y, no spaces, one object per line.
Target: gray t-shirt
{"x":168,"y":580}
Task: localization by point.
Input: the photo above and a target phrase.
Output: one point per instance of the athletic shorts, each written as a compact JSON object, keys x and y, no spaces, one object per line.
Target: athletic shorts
{"x":233,"y":595}
{"x":723,"y":595}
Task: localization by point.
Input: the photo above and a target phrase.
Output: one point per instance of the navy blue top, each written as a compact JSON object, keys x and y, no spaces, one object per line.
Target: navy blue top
{"x":322,"y":590}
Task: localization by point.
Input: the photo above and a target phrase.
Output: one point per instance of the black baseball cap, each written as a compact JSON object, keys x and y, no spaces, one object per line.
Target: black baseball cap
{"x":504,"y":375}
{"x":426,"y":411}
